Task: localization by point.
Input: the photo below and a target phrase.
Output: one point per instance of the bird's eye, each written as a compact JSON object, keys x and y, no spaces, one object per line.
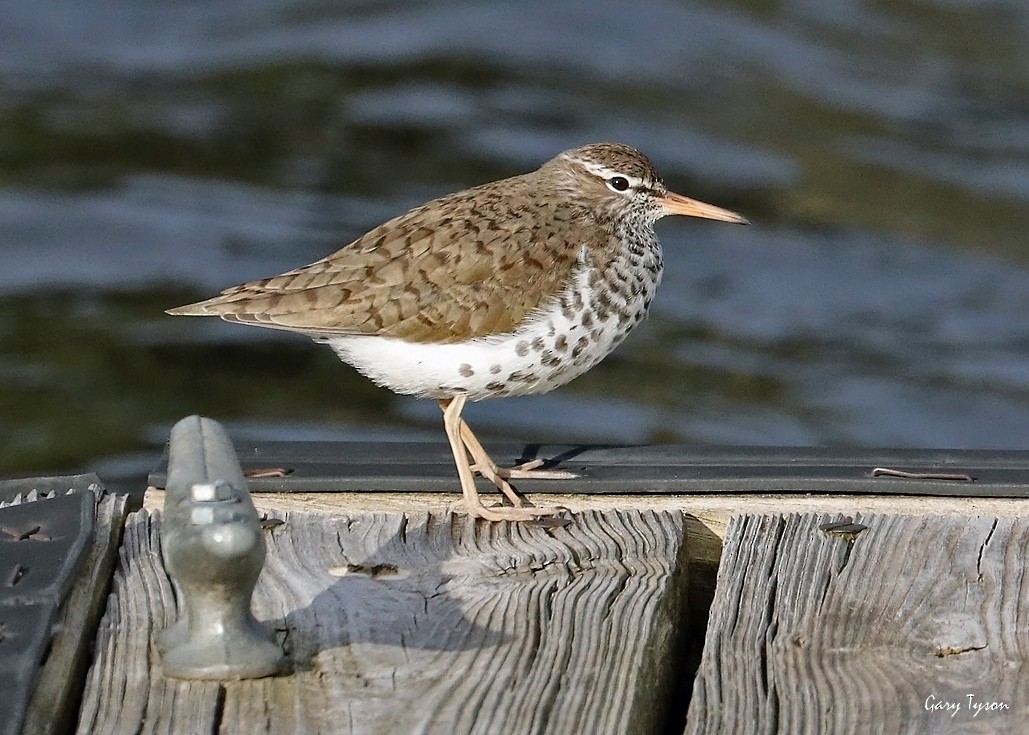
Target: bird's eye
{"x":618,"y":183}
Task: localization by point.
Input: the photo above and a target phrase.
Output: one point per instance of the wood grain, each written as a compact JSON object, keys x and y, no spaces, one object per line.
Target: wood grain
{"x":418,"y":622}
{"x":53,"y":705}
{"x":707,"y":515}
{"x":814,"y":633}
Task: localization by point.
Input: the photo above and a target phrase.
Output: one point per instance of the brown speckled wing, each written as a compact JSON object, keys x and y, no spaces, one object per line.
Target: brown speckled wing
{"x":467,"y":265}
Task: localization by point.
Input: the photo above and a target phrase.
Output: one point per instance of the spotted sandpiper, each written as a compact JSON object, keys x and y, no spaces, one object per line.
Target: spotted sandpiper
{"x":506,"y":289}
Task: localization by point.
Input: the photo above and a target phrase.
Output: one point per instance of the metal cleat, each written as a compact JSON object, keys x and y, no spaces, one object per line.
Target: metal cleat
{"x":213,"y":549}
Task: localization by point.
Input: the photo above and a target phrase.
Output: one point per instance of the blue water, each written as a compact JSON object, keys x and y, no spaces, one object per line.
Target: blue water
{"x":880,"y":150}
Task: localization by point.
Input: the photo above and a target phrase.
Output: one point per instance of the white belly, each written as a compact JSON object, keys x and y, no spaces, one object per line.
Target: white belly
{"x":547,"y":351}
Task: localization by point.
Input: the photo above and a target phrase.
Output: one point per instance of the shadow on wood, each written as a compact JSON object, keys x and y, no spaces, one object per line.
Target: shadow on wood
{"x":397,"y":581}
{"x":420,"y":622}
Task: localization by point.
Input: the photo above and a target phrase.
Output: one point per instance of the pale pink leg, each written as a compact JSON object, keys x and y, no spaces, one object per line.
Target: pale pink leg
{"x":485,"y":465}
{"x":452,"y":423}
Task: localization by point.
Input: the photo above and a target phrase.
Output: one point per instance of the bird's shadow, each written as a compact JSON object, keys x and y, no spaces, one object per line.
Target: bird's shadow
{"x":413,"y":590}
{"x":557,"y":461}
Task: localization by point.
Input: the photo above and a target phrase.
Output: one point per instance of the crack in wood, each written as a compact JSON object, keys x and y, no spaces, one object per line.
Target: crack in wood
{"x":982,"y":550}
{"x":944,"y":651}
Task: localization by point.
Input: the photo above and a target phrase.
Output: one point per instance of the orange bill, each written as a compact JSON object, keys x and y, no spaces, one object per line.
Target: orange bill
{"x":678,"y":204}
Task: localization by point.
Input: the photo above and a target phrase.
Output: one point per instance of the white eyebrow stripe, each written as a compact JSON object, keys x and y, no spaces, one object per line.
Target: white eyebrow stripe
{"x":606,"y":173}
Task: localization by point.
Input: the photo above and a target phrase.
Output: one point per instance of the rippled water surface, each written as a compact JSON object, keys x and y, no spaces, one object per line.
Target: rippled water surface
{"x":154,"y":153}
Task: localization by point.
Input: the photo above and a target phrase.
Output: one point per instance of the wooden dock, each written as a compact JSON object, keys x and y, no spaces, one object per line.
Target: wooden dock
{"x":665,"y":612}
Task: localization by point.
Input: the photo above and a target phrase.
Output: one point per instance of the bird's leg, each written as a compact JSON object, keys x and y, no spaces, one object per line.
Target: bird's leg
{"x":473,"y":503}
{"x":486,"y":467}
{"x":452,"y":425}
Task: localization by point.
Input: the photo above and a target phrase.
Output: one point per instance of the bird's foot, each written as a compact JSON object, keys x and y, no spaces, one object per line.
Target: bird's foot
{"x":469,"y":457}
{"x":549,"y":516}
{"x":499,"y":476}
{"x":484,"y":465}
{"x":531,"y":471}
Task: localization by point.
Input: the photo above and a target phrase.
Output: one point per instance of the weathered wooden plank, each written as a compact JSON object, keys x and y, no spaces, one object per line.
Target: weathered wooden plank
{"x":907,"y":628}
{"x":420,"y":622}
{"x":707,"y":516}
{"x":53,"y":706}
{"x":125,"y":691}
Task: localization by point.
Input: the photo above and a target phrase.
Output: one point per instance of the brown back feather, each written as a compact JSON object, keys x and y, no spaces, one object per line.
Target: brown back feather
{"x":470,"y":264}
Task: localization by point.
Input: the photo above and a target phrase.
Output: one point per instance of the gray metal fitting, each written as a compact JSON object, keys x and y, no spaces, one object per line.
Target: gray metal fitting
{"x":213,"y":549}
